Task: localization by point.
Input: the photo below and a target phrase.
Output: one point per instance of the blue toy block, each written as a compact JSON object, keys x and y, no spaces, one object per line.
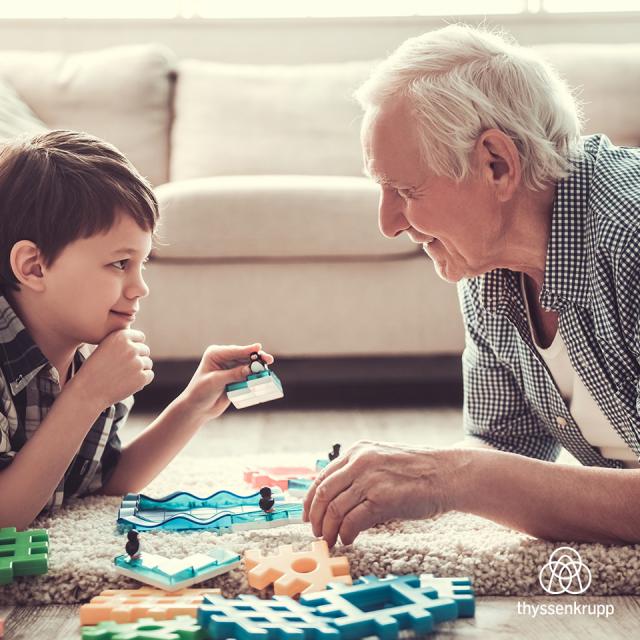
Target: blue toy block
{"x":180,"y":628}
{"x":172,"y":574}
{"x":222,"y":511}
{"x":249,"y":618}
{"x":23,"y":553}
{"x":374,"y":607}
{"x":459,"y":589}
{"x":298,"y":487}
{"x":257,"y":388}
{"x":321,"y":463}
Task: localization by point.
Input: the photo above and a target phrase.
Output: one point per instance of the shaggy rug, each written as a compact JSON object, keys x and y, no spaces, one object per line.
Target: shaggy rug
{"x":83,"y":542}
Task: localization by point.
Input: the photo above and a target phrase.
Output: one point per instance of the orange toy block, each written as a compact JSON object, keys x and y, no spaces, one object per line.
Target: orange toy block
{"x":293,"y":572}
{"x":276,"y":476}
{"x":129,"y":605}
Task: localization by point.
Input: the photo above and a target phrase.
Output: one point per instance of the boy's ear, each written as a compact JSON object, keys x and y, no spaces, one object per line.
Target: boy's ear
{"x":26,"y":262}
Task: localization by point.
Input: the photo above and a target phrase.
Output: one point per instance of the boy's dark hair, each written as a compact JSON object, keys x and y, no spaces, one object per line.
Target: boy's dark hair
{"x":61,"y":186}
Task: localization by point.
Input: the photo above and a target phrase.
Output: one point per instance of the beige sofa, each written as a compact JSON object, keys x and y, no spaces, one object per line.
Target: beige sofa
{"x":269,"y":230}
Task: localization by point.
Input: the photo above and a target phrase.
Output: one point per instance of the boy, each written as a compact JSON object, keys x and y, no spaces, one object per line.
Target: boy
{"x":76,"y":227}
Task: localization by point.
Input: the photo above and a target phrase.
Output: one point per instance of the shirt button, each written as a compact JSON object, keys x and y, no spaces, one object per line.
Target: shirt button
{"x":561,"y":421}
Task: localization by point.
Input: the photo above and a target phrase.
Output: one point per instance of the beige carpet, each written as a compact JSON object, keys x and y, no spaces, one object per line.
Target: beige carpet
{"x":83,"y":543}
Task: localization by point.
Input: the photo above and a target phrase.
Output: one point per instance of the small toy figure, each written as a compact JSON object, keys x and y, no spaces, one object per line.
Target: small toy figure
{"x":133,"y":545}
{"x":335,"y":453}
{"x":266,"y":501}
{"x":257,"y":363}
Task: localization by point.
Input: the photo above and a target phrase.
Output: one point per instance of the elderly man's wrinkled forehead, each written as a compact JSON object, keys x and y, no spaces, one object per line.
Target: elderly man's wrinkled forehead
{"x":391,"y":152}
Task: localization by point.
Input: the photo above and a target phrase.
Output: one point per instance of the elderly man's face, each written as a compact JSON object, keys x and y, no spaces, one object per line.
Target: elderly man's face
{"x":463,"y":218}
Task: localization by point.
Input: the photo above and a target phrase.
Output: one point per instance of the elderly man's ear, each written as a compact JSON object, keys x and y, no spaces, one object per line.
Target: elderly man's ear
{"x":498,"y":161}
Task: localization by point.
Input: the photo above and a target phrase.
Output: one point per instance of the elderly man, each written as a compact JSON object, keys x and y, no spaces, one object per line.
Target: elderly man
{"x":476,"y":145}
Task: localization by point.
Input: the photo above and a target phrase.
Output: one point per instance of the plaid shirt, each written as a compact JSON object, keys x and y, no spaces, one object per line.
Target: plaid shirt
{"x":28,"y":389}
{"x":592,"y":280}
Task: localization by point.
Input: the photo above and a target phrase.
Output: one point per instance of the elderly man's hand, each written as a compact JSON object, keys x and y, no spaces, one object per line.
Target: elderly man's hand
{"x":374,"y":482}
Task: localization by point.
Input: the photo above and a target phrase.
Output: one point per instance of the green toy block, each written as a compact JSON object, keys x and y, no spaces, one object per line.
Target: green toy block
{"x":23,"y":553}
{"x":180,"y":628}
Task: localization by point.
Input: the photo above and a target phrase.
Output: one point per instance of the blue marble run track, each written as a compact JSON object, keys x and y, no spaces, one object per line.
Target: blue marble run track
{"x":223,"y":511}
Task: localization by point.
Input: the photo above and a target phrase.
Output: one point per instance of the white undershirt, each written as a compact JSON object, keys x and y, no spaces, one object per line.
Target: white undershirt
{"x":594,"y":425}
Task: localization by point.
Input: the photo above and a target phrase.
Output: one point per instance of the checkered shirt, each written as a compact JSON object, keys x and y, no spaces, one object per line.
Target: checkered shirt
{"x":28,"y":389}
{"x":592,"y":280}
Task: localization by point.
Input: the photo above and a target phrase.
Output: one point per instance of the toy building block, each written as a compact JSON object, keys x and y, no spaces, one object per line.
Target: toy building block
{"x":180,"y":628}
{"x":276,"y":476}
{"x":249,"y":618}
{"x":129,"y":605}
{"x":374,"y":607}
{"x":256,"y":389}
{"x":172,"y":574}
{"x":23,"y":553}
{"x":458,"y":589}
{"x":294,"y":572}
{"x":298,"y":487}
{"x":222,"y":511}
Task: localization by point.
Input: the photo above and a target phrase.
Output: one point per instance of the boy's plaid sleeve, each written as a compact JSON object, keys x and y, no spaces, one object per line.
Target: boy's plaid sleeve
{"x":113,"y":447}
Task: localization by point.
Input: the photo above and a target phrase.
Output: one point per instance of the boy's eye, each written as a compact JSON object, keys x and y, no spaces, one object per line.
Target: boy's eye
{"x":404,"y":193}
{"x":120,"y":264}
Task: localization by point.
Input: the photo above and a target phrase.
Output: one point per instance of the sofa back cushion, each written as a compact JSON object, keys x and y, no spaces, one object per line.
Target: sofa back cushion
{"x":301,"y":119}
{"x":250,"y":119}
{"x":121,"y":94}
{"x":16,"y":118}
{"x":606,"y":77}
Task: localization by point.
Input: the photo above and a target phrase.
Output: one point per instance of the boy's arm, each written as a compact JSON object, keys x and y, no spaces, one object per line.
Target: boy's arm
{"x":115,"y":370}
{"x":28,"y":482}
{"x":204,"y":399}
{"x":144,"y":457}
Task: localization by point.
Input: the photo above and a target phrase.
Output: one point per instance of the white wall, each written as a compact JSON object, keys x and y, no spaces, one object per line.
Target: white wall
{"x":297,"y":40}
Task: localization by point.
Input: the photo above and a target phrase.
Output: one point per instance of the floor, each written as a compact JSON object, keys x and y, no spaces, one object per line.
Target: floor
{"x":308,"y":430}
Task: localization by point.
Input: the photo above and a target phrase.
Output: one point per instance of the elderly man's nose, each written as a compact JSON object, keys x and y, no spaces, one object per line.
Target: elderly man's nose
{"x":391,"y":220}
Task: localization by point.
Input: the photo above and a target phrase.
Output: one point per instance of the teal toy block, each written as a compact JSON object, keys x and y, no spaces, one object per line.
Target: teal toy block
{"x":458,"y":589}
{"x":382,"y":608}
{"x":23,"y":553}
{"x":172,"y":574}
{"x":298,"y":487}
{"x":256,"y":389}
{"x":249,"y":618}
{"x":222,"y":511}
{"x":180,"y":628}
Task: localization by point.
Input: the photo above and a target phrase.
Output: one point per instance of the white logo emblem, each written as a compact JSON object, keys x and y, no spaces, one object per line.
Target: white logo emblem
{"x":565,"y":573}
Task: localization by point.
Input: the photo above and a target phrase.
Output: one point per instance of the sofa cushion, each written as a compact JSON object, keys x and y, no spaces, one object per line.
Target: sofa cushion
{"x":120,"y":94}
{"x":248,"y":217}
{"x":245,"y":119}
{"x":16,"y":117}
{"x":606,"y":78}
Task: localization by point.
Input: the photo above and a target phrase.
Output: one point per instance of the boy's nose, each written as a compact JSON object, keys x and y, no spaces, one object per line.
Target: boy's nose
{"x":138,"y":289}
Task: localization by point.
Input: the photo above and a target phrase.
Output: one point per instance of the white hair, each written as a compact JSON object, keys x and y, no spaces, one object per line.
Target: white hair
{"x":461,"y":81}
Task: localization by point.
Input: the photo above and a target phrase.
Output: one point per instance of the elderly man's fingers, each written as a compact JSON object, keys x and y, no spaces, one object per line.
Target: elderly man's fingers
{"x":334,"y":465}
{"x":326,"y":491}
{"x":360,"y":518}
{"x":337,"y":509}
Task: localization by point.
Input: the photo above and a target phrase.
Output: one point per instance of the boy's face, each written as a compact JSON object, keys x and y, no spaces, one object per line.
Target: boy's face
{"x":94,"y":286}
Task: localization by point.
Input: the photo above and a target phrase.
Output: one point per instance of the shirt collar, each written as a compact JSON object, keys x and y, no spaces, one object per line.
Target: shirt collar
{"x":565,"y":276}
{"x":20,"y":357}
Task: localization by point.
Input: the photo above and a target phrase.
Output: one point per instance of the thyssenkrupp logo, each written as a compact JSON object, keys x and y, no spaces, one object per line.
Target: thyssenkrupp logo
{"x":565,"y":573}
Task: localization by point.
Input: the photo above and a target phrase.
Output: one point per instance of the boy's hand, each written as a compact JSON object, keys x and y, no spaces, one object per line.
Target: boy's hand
{"x":117,"y":368}
{"x":220,"y":366}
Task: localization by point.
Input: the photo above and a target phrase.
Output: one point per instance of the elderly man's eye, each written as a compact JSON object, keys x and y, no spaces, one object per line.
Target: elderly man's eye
{"x":406,"y":194}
